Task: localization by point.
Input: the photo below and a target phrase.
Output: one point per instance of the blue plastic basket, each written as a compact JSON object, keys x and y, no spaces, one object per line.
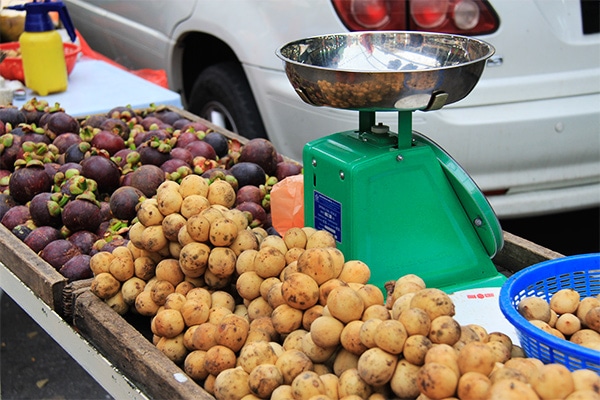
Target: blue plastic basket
{"x":582,"y":273}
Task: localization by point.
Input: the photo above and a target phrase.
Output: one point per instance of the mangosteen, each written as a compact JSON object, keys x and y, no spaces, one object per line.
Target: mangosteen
{"x":150,"y":123}
{"x":6,"y":203}
{"x":200,"y":148}
{"x":60,"y":122}
{"x":77,"y":268}
{"x":12,"y":115}
{"x":186,"y":138}
{"x":65,"y":140}
{"x":143,"y":137}
{"x":12,"y":147}
{"x":58,"y":252}
{"x":180,"y":123}
{"x":219,"y":142}
{"x":248,"y":173}
{"x":147,"y":178}
{"x":169,"y":117}
{"x":102,"y":170}
{"x":121,"y":112}
{"x":120,"y":157}
{"x":46,"y":210}
{"x":154,"y":152}
{"x":116,"y":126}
{"x":84,"y":240}
{"x":16,"y":215}
{"x":249,"y":193}
{"x":81,"y":215}
{"x":182,"y":154}
{"x":76,"y":152}
{"x":262,"y":152}
{"x":194,"y":126}
{"x":69,"y":165}
{"x":173,"y":165}
{"x":109,"y":141}
{"x":39,"y":238}
{"x":21,"y":231}
{"x":94,"y":121}
{"x":259,"y":215}
{"x":26,"y":182}
{"x":124,"y":201}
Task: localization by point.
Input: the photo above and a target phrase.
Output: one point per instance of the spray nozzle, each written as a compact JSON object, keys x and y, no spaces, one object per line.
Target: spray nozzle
{"x":38,"y":20}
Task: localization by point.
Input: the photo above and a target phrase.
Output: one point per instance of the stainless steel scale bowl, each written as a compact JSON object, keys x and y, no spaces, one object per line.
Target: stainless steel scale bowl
{"x":396,"y":201}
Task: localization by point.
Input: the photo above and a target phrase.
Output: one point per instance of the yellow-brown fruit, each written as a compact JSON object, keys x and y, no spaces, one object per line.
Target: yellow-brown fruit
{"x":222,"y":193}
{"x":291,"y":363}
{"x":586,"y":304}
{"x":534,"y":308}
{"x":105,"y":286}
{"x":476,"y":357}
{"x":195,"y":312}
{"x":415,"y":349}
{"x":248,"y":285}
{"x":511,"y":389}
{"x":565,"y":301}
{"x":286,"y":319}
{"x":193,"y":185}
{"x":443,"y":354}
{"x":148,"y":213}
{"x":193,"y":259}
{"x":198,"y":228}
{"x":416,"y":321}
{"x":131,"y":288}
{"x":193,"y":365}
{"x":269,"y":262}
{"x":320,"y":238}
{"x":376,"y":366}
{"x":376,"y":311}
{"x":160,"y":290}
{"x":300,"y":291}
{"x":168,"y":323}
{"x":219,"y":358}
{"x":390,"y":336}
{"x":355,"y":271}
{"x":295,"y":237}
{"x":264,"y":379}
{"x":245,"y":240}
{"x":434,"y":302}
{"x":153,"y":238}
{"x":254,"y":354}
{"x":326,"y":288}
{"x":316,"y":263}
{"x":169,"y":270}
{"x":437,"y":381}
{"x":223,"y":232}
{"x":221,"y":262}
{"x":404,"y":380}
{"x":473,"y":386}
{"x":306,"y":385}
{"x":193,"y":205}
{"x":173,"y":348}
{"x":592,"y":319}
{"x":316,"y":353}
{"x":169,"y":201}
{"x":232,"y":383}
{"x":351,"y":384}
{"x":100,"y":262}
{"x":444,"y":329}
{"x":345,"y":304}
{"x":350,"y":337}
{"x":586,"y":379}
{"x":144,"y":304}
{"x":553,"y":381}
{"x":326,"y":331}
{"x":568,"y":324}
{"x":371,"y":295}
{"x":204,"y":336}
{"x":310,"y":315}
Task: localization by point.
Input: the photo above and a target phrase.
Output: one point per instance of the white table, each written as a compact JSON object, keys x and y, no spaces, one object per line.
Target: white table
{"x":96,"y":86}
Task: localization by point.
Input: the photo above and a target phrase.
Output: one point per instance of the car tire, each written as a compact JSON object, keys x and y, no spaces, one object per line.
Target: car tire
{"x":222,"y":95}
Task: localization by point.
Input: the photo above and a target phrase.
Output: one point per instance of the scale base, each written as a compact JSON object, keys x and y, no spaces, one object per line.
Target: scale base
{"x":395,"y":210}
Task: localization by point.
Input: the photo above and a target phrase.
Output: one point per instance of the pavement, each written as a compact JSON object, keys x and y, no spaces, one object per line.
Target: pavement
{"x":33,"y":366}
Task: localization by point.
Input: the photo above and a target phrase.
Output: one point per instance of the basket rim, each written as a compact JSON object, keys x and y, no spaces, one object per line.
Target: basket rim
{"x":536,"y":273}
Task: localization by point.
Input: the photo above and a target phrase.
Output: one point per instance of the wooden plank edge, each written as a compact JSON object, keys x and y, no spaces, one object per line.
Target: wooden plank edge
{"x":141,"y":361}
{"x":45,"y":281}
{"x":518,"y":253}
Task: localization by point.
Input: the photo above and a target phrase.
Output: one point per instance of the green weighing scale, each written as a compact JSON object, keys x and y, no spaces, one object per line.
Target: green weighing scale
{"x":396,"y":201}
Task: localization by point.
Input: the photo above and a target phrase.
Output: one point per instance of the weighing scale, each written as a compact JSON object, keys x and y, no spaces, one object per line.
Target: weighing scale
{"x":396,"y":201}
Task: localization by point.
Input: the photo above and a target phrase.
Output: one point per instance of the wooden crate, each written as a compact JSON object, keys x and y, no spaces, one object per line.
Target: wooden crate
{"x":155,"y":375}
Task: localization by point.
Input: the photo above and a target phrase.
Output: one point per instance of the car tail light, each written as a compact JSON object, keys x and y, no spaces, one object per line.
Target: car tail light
{"x":465,"y":17}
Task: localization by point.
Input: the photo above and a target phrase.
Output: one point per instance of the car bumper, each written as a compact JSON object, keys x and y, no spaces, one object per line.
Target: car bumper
{"x":543,"y":155}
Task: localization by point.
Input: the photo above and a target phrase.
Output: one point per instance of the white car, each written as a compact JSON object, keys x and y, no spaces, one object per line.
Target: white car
{"x":528,"y":134}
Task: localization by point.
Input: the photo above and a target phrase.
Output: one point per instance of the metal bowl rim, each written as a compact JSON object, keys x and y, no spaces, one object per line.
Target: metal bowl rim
{"x":491,"y":51}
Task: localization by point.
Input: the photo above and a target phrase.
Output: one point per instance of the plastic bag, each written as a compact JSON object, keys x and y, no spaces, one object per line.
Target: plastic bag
{"x":287,"y":204}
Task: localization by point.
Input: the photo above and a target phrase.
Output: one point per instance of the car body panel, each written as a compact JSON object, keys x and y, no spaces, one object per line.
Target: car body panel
{"x":531,"y":126}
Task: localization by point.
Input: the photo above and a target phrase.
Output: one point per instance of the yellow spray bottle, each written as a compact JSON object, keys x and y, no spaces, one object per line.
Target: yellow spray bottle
{"x":41,"y":46}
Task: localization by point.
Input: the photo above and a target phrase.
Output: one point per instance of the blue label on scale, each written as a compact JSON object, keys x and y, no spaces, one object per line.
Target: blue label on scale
{"x":328,"y":215}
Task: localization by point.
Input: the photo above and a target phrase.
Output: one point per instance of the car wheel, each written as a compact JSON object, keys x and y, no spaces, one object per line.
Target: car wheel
{"x":221,"y":94}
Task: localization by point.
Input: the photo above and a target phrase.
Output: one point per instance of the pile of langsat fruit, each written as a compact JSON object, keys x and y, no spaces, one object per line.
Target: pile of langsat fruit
{"x":252,"y":315}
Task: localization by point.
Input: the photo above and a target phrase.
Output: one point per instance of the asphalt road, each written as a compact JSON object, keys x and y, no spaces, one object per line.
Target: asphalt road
{"x":33,"y":366}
